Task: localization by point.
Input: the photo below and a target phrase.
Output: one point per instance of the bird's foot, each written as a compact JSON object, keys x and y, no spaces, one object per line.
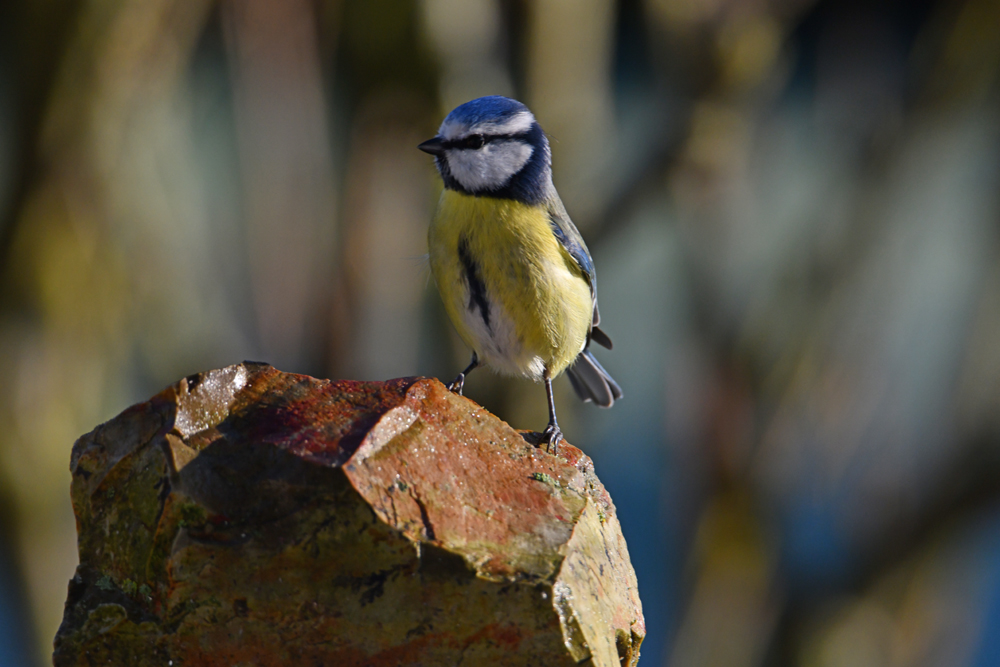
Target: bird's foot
{"x":457,"y":384}
{"x":551,"y":437}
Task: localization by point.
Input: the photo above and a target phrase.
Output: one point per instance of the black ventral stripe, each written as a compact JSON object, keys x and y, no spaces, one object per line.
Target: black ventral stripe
{"x":477,"y":290}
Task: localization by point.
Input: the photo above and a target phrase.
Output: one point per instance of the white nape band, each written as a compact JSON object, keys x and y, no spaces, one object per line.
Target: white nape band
{"x":516,"y":124}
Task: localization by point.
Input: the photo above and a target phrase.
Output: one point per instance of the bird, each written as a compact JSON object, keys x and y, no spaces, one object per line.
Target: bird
{"x":513,"y":271}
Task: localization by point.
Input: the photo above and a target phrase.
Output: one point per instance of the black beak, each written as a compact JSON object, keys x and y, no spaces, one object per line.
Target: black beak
{"x":433,"y":146}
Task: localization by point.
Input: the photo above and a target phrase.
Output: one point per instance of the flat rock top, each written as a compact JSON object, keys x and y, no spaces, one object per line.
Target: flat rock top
{"x":261,"y":454}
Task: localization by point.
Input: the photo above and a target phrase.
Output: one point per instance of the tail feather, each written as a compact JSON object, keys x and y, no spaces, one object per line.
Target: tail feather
{"x":591,"y":382}
{"x":600,"y":337}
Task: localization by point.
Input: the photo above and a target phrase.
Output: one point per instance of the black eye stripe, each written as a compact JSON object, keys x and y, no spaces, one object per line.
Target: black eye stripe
{"x":476,"y":141}
{"x":473,"y":141}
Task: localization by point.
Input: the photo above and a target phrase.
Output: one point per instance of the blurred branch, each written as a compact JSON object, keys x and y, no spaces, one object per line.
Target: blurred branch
{"x":35,"y":37}
{"x":95,"y":223}
{"x":287,"y":171}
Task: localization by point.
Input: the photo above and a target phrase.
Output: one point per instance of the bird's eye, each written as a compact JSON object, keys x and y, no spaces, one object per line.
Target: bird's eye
{"x":473,"y":141}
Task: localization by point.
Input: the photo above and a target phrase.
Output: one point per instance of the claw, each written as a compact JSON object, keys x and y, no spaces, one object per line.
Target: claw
{"x":552,"y":436}
{"x":457,"y":384}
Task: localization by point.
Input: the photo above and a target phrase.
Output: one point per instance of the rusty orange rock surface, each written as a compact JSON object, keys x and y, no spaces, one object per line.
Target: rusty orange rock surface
{"x":249,"y":516}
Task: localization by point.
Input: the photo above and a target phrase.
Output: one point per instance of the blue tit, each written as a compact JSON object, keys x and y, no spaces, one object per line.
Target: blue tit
{"x":514,"y":273}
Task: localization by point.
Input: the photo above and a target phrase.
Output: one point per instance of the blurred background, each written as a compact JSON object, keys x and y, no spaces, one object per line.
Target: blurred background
{"x":793,"y":206}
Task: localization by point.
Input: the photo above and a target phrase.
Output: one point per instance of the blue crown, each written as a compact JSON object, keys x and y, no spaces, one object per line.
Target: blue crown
{"x":491,"y":107}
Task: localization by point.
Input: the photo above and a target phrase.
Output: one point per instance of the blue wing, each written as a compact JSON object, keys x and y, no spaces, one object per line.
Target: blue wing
{"x":569,"y":236}
{"x":589,"y":379}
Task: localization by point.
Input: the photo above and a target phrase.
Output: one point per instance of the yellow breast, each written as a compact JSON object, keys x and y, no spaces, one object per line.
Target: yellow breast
{"x":512,"y":291}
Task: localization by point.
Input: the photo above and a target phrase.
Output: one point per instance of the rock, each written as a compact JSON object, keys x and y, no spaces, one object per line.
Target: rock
{"x":246,"y":516}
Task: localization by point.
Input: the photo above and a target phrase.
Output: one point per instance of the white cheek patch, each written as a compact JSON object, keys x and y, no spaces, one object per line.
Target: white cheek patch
{"x":490,"y":167}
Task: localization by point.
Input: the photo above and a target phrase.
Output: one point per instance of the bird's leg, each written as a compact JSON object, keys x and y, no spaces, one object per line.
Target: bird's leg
{"x":458,"y":383}
{"x":552,"y":434}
